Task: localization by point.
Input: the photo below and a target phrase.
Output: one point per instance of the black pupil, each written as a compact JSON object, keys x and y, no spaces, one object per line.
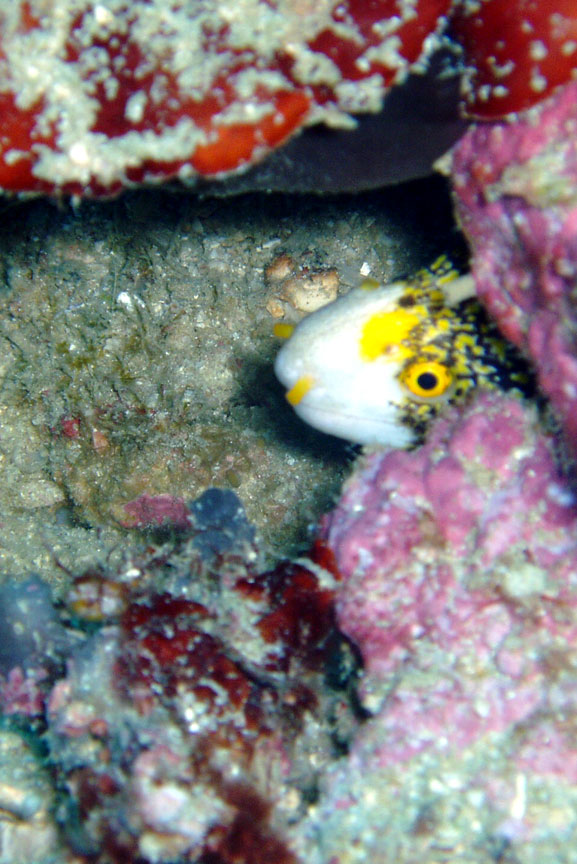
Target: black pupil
{"x":427,"y":381}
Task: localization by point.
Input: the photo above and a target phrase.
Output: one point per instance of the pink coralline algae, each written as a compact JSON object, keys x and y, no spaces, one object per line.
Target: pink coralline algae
{"x":459,"y":562}
{"x":157,"y":510}
{"x":514,"y":186}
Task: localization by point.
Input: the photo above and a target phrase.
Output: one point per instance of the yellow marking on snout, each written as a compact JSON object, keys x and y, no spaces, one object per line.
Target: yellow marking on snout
{"x":297,"y":393}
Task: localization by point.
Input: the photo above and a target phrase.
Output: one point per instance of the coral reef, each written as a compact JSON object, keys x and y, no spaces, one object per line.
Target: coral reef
{"x":459,"y":562}
{"x":194,"y":708}
{"x":514,"y":185}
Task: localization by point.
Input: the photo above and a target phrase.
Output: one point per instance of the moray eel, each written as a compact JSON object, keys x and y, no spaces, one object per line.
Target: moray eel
{"x":377,"y":365}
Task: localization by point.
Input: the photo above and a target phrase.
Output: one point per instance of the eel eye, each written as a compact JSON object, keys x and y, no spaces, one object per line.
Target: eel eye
{"x":427,"y":379}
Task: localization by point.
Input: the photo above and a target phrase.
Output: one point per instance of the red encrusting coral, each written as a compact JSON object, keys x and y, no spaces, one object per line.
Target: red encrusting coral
{"x":126,"y":93}
{"x":302,"y":615}
{"x":163,"y":643}
{"x":517,"y":52}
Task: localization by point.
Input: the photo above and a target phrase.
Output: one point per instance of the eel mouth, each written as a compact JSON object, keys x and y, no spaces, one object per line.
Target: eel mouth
{"x":354,"y":426}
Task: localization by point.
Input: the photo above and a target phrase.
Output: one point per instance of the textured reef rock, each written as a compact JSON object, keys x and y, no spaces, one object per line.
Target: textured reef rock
{"x":459,"y":562}
{"x":515,"y":186}
{"x":193,"y":716}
